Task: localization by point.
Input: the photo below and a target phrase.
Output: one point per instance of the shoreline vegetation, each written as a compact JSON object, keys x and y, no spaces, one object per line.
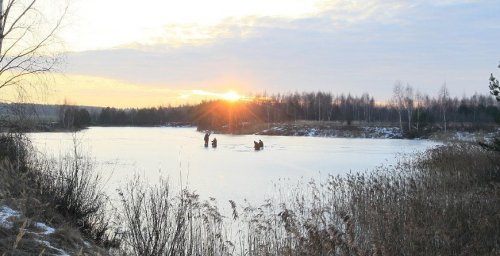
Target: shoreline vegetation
{"x":406,"y":115}
{"x":455,"y":131}
{"x":439,"y":202}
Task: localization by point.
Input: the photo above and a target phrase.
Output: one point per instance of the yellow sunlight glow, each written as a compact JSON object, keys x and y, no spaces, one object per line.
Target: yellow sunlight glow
{"x":95,"y":24}
{"x":231,"y":96}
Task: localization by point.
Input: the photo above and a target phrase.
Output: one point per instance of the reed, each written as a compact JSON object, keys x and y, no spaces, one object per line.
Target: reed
{"x":160,"y":222}
{"x":442,"y":202}
{"x":445,"y":201}
{"x":63,"y":192}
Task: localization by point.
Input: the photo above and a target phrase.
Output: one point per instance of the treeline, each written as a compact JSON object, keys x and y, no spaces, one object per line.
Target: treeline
{"x":413,"y":112}
{"x":74,"y":117}
{"x":141,"y":117}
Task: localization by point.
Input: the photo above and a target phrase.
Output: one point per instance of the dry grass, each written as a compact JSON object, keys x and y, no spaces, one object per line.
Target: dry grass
{"x":445,"y":201}
{"x":65,"y":194}
{"x":160,"y":222}
{"x":75,"y":191}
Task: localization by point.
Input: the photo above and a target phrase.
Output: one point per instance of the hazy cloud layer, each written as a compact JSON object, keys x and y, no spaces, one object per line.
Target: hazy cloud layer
{"x":362,"y":46}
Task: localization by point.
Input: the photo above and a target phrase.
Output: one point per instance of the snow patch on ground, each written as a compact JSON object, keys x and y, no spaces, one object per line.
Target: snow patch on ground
{"x":6,"y":214}
{"x":383,"y":132}
{"x":464,"y":136}
{"x":312,"y":132}
{"x":473,"y":137}
{"x":334,"y":131}
{"x":48,"y":245}
{"x":46,"y":230}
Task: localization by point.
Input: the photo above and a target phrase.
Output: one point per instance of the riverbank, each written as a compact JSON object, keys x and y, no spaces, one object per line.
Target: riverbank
{"x":332,"y":129}
{"x":47,"y":206}
{"x":378,"y":130}
{"x":373,"y":130}
{"x":442,"y":201}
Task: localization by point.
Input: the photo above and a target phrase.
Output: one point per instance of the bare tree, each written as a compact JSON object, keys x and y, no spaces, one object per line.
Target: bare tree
{"x":418,"y":100}
{"x":27,"y":40}
{"x":398,"y":100}
{"x":408,"y":102}
{"x":443,"y":102}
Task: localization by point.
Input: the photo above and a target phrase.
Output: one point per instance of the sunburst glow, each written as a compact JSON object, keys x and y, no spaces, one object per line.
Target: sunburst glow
{"x":231,"y":96}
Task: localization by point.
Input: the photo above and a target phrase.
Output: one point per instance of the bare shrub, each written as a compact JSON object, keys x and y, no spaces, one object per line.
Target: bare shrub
{"x":75,"y":190}
{"x":15,"y":148}
{"x":444,"y":201}
{"x":159,"y":222}
{"x":68,"y":185}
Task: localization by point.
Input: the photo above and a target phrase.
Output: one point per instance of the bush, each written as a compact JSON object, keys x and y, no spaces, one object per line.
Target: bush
{"x":439,"y":203}
{"x":158,"y":222}
{"x":72,"y":187}
{"x":69,"y":186}
{"x":15,"y":148}
{"x":442,"y":202}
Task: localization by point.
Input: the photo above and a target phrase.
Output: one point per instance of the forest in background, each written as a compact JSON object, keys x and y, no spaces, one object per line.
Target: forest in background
{"x":412,"y":112}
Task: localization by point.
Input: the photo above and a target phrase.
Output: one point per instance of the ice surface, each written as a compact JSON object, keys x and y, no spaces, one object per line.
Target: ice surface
{"x":233,"y":170}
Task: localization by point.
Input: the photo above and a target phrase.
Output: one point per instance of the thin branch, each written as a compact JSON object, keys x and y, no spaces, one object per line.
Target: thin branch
{"x":25,"y":11}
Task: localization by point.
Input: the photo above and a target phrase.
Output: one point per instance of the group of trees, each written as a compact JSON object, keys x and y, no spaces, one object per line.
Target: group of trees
{"x":414,"y":104}
{"x":414,"y":112}
{"x":140,"y":117}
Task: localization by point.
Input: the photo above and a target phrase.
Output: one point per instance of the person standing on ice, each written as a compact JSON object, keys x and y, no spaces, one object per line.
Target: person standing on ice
{"x":207,"y":138}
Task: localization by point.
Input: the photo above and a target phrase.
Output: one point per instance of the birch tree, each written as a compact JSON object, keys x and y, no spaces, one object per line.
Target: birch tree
{"x":418,"y":100}
{"x":443,"y":102}
{"x":398,"y":101}
{"x":27,"y":40}
{"x":408,"y":102}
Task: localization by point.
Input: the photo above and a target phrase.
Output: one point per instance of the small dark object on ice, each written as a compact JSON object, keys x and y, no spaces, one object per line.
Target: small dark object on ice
{"x":207,"y":137}
{"x":258,"y":145}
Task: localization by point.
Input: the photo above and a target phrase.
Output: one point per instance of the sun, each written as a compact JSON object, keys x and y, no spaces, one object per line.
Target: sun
{"x":231,"y":96}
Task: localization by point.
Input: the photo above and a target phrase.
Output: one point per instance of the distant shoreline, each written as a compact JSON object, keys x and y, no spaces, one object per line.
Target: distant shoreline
{"x":455,"y":132}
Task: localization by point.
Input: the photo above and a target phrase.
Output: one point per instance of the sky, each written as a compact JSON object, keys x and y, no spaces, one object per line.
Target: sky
{"x":126,"y":53}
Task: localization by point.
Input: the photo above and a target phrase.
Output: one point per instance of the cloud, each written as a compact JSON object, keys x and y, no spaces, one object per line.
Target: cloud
{"x":418,"y":43}
{"x":101,"y":25}
{"x":452,"y":2}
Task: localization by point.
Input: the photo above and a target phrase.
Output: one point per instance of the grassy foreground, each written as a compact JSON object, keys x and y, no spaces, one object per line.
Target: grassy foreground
{"x":47,"y":206}
{"x":445,"y":201}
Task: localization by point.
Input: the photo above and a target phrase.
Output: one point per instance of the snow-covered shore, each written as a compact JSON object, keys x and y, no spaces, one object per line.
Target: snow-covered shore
{"x":333,"y":131}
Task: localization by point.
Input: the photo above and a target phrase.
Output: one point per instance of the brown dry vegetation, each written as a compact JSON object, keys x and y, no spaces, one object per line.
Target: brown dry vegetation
{"x":64,"y":195}
{"x":159,"y":221}
{"x":445,"y":201}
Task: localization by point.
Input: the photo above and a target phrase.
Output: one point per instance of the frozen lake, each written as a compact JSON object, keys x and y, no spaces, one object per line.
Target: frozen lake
{"x":233,"y":170}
